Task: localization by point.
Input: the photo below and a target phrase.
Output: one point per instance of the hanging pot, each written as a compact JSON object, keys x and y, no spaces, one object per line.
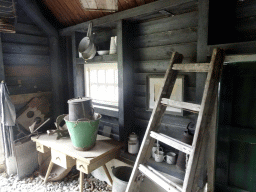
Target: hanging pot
{"x":86,"y":46}
{"x":90,"y":54}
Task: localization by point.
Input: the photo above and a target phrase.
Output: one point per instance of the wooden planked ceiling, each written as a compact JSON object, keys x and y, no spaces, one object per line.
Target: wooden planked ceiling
{"x":70,"y":12}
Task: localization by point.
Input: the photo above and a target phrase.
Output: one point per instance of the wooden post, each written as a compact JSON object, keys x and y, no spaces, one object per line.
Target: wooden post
{"x":78,"y":71}
{"x":81,"y":178}
{"x":57,"y":85}
{"x":202,"y":47}
{"x":125,"y":78}
{"x":2,"y":77}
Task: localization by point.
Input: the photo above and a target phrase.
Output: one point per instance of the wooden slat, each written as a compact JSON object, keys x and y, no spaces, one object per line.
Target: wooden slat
{"x":183,"y":21}
{"x":166,"y":38}
{"x":24,"y":98}
{"x":156,"y":66}
{"x":172,"y":142}
{"x":28,"y":29}
{"x":20,"y":59}
{"x":25,"y":39}
{"x":195,"y":67}
{"x":25,"y":49}
{"x":141,"y":10}
{"x":35,"y":71}
{"x":165,"y":52}
{"x":182,"y":105}
{"x":154,"y":122}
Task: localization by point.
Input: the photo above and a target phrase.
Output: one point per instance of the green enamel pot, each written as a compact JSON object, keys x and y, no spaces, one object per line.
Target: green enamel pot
{"x":83,"y":133}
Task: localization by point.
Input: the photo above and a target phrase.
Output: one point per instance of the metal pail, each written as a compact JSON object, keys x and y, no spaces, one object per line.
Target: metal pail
{"x":80,"y":108}
{"x":83,"y":134}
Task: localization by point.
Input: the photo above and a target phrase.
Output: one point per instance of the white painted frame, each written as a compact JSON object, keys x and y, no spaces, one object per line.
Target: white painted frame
{"x":177,"y":94}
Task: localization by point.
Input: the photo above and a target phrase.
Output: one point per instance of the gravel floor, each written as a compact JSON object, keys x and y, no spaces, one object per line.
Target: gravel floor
{"x":35,"y":184}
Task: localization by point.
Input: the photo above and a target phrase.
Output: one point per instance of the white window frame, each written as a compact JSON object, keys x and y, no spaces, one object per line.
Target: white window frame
{"x":104,"y":66}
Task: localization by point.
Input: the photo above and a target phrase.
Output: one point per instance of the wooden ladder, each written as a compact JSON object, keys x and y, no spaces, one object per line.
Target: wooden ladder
{"x":140,"y":168}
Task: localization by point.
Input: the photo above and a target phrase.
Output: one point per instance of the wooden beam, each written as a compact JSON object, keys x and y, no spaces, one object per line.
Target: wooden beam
{"x":57,"y":86}
{"x":78,"y":71}
{"x":134,"y":12}
{"x":37,"y":17}
{"x":125,"y":80}
{"x":2,"y":77}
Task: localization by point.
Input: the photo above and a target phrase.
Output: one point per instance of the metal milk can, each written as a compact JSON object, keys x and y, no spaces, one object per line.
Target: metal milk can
{"x":133,"y":143}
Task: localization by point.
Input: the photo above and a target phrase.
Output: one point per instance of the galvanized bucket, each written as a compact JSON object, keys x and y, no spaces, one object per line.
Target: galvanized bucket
{"x":80,"y":108}
{"x":83,"y":133}
{"x":121,"y":177}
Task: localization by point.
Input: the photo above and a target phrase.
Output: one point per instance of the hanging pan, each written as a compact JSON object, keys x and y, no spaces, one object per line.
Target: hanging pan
{"x":86,"y":46}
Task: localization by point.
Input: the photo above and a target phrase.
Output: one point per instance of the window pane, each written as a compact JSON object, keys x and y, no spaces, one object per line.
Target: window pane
{"x":110,"y":93}
{"x":101,"y":92}
{"x":94,"y":91}
{"x":110,"y":76}
{"x":101,"y":76}
{"x":93,"y":76}
{"x":116,"y":76}
{"x":116,"y":94}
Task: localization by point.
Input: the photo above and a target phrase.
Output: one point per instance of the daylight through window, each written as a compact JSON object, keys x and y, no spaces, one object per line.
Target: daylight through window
{"x":101,"y":81}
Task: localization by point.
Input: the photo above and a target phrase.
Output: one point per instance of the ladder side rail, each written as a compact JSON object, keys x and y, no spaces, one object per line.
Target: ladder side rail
{"x":155,"y":121}
{"x":208,"y":100}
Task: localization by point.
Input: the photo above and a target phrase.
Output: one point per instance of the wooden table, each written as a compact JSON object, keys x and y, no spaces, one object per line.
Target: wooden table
{"x":64,"y":154}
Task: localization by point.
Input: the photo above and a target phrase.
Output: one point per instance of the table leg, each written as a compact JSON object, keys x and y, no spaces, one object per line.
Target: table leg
{"x":107,"y":173}
{"x":81,"y":181}
{"x":48,"y":171}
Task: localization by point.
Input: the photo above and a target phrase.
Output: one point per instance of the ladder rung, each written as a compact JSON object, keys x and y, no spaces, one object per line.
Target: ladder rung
{"x":179,"y":187}
{"x":172,"y":142}
{"x":179,"y":104}
{"x":158,"y":180}
{"x":195,"y":67}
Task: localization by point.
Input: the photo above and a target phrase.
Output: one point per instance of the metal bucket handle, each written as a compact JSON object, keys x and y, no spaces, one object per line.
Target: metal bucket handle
{"x":80,"y":119}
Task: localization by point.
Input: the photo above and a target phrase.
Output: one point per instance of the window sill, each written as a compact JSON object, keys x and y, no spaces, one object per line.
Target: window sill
{"x":108,"y":111}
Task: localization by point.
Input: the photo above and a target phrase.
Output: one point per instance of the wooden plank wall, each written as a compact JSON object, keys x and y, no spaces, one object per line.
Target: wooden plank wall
{"x":26,"y":58}
{"x":154,"y":44}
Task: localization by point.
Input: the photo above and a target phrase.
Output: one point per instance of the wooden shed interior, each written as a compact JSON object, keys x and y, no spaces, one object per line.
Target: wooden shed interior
{"x":42,"y":59}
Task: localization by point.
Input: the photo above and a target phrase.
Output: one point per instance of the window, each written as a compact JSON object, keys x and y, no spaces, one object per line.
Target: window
{"x":101,"y":83}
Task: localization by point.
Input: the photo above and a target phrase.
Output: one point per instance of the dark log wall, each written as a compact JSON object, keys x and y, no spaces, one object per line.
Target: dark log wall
{"x":26,"y":57}
{"x":154,"y":44}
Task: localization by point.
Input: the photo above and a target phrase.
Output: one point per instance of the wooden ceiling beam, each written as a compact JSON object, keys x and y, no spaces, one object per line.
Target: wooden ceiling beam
{"x":134,"y":12}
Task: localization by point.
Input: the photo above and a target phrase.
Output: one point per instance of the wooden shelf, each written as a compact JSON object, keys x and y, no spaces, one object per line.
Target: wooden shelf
{"x":171,"y":170}
{"x":98,"y":59}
